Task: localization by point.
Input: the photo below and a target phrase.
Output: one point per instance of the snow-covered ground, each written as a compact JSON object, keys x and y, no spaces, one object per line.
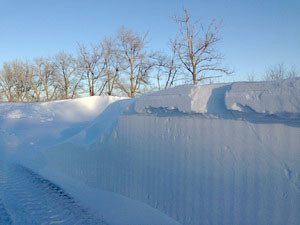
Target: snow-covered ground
{"x":215,"y":154}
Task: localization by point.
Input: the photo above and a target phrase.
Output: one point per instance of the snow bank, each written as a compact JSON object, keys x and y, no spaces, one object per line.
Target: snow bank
{"x":273,"y":98}
{"x":103,"y":125}
{"x":195,"y":170}
{"x":75,"y":110}
{"x":39,"y":125}
{"x":214,"y":154}
{"x":186,"y":99}
{"x":277,"y":97}
{"x":27,"y":131}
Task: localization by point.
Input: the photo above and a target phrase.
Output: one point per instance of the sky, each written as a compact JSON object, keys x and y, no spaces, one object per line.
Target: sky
{"x":256,"y":34}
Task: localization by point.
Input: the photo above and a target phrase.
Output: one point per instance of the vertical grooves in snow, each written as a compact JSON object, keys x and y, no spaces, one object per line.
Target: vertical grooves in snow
{"x":210,"y":178}
{"x":221,"y":185}
{"x":200,"y":171}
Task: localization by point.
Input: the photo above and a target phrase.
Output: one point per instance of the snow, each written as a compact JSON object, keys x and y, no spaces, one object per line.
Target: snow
{"x":274,"y":98}
{"x":77,"y":110}
{"x":279,"y":97}
{"x":186,"y":99}
{"x":27,"y":131}
{"x":215,"y":154}
{"x":39,"y":125}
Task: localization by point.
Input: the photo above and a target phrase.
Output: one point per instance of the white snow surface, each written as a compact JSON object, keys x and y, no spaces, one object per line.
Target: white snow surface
{"x":279,"y":97}
{"x":39,"y":125}
{"x":220,"y":154}
{"x":77,"y":110}
{"x":185,"y":98}
{"x":276,"y":97}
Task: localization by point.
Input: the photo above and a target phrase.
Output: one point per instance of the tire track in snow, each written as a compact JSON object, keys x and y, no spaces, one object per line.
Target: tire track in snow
{"x":31,"y":199}
{"x":4,"y":216}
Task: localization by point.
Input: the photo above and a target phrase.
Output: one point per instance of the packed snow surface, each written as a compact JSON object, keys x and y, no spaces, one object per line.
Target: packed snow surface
{"x":277,"y":97}
{"x":186,"y":99}
{"x":281,"y":97}
{"x":219,"y":154}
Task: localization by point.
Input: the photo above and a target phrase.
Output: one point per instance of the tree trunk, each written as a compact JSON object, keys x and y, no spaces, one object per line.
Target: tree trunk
{"x":195,"y":81}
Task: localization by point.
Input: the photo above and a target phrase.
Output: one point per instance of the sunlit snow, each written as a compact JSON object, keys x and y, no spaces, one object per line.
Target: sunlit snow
{"x":221,"y":154}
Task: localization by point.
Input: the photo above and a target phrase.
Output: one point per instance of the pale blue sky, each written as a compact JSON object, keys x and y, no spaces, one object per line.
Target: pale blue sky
{"x":256,"y":33}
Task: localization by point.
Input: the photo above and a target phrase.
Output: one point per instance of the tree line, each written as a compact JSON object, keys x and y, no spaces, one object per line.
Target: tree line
{"x":121,"y":65}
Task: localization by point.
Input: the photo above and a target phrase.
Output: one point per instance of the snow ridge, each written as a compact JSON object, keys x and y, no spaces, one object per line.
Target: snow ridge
{"x":276,"y":98}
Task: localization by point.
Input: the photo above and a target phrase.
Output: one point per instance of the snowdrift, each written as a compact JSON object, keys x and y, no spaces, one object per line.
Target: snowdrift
{"x":39,"y":125}
{"x":215,"y":154}
{"x":281,"y":98}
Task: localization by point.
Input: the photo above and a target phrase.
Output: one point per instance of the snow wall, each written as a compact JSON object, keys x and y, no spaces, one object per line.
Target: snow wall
{"x":217,"y":154}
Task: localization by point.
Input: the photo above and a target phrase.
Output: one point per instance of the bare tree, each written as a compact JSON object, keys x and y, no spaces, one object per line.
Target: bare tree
{"x":15,"y":81}
{"x":161,"y":64}
{"x":47,"y":78}
{"x":195,"y":47}
{"x":136,"y":62}
{"x":167,"y":67}
{"x":30,"y":81}
{"x":112,"y":64}
{"x":172,"y":66}
{"x":279,"y":72}
{"x":7,"y":84}
{"x":1,"y":93}
{"x":67,"y":69}
{"x":251,"y":77}
{"x":35,"y":79}
{"x":292,"y":72}
{"x":89,"y":64}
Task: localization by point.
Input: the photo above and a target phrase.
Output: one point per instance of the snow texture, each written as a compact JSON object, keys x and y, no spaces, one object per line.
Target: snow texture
{"x":280,"y":97}
{"x":220,"y":154}
{"x":186,"y":99}
{"x":28,"y":198}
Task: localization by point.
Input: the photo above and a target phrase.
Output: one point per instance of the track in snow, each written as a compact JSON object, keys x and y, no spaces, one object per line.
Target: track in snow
{"x":4,"y":216}
{"x":27,"y":198}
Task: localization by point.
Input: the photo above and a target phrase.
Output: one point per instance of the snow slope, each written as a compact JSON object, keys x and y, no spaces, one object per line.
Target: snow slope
{"x":27,"y":131}
{"x":215,"y":154}
{"x":36,"y":125}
